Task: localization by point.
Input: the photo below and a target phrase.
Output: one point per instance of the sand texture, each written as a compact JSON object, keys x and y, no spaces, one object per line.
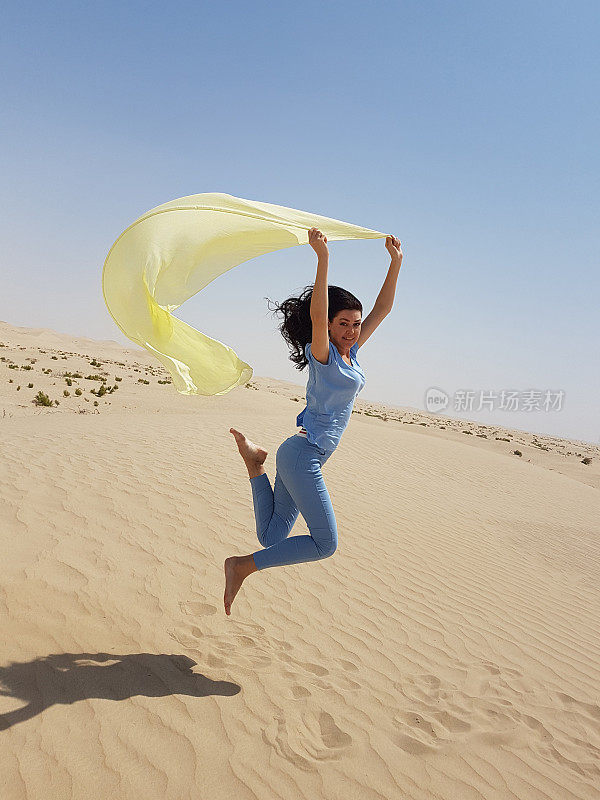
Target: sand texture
{"x":449,"y":649}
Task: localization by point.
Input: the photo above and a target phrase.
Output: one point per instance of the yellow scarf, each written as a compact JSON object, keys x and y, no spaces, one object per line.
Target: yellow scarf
{"x":173,"y":251}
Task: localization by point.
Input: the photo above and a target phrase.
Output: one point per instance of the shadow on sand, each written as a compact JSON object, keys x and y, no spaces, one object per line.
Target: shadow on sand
{"x":62,"y":678}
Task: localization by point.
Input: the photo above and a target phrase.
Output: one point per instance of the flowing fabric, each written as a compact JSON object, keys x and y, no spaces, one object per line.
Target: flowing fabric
{"x":173,"y":251}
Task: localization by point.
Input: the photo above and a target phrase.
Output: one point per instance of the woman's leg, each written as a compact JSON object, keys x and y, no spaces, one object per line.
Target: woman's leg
{"x":299,"y":466}
{"x":302,"y":478}
{"x":274,"y":510}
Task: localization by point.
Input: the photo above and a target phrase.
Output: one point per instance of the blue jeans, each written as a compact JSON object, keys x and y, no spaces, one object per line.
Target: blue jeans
{"x":299,"y":488}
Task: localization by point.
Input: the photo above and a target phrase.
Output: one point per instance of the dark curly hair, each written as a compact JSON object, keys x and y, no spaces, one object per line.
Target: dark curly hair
{"x":296,"y":326}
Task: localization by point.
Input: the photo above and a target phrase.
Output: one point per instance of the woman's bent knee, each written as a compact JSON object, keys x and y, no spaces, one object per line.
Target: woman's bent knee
{"x":327,"y":549}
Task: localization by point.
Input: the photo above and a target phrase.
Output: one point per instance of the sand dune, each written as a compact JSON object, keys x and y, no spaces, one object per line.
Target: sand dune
{"x":448,"y":649}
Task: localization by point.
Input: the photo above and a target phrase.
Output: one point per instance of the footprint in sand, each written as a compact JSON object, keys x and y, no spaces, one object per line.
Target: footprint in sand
{"x":220,"y":650}
{"x":590,"y":710}
{"x":348,"y":665}
{"x":333,"y":737}
{"x":299,"y":691}
{"x":197,"y":609}
{"x":316,"y":669}
{"x":306,"y":739}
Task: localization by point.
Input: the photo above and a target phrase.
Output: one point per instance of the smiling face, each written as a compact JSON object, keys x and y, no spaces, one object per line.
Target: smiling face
{"x":344,"y":329}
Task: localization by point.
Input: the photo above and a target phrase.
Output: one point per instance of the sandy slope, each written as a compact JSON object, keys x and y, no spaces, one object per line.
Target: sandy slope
{"x":448,"y":649}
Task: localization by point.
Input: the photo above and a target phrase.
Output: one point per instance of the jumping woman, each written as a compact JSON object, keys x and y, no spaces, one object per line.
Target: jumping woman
{"x":323,"y":325}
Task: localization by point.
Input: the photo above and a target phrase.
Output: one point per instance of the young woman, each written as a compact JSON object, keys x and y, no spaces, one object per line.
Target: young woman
{"x":325,"y":330}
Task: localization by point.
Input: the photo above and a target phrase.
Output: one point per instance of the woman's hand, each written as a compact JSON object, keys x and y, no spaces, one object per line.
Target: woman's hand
{"x":318,"y":242}
{"x":392,"y":245}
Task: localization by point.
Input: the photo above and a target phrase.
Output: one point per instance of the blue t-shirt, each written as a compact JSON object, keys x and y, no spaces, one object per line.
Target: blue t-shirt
{"x":330,"y":394}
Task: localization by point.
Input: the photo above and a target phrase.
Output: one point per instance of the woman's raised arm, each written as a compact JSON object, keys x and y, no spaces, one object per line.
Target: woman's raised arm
{"x":385,"y":298}
{"x":319,"y":304}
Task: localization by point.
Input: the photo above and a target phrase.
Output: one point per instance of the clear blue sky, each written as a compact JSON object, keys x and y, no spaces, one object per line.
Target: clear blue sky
{"x":470,"y":130}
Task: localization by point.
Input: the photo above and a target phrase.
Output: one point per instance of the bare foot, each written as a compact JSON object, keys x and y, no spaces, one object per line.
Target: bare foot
{"x":237,"y":569}
{"x":251,"y":453}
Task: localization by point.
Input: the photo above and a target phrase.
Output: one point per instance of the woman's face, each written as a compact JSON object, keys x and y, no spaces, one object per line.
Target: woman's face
{"x":344,"y":329}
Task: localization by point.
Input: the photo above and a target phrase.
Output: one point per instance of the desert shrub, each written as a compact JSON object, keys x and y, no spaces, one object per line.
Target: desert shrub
{"x":517,"y":452}
{"x":42,"y":399}
{"x":77,"y":392}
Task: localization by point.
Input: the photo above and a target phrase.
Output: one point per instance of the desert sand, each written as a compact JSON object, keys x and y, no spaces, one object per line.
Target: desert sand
{"x":449,"y":648}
